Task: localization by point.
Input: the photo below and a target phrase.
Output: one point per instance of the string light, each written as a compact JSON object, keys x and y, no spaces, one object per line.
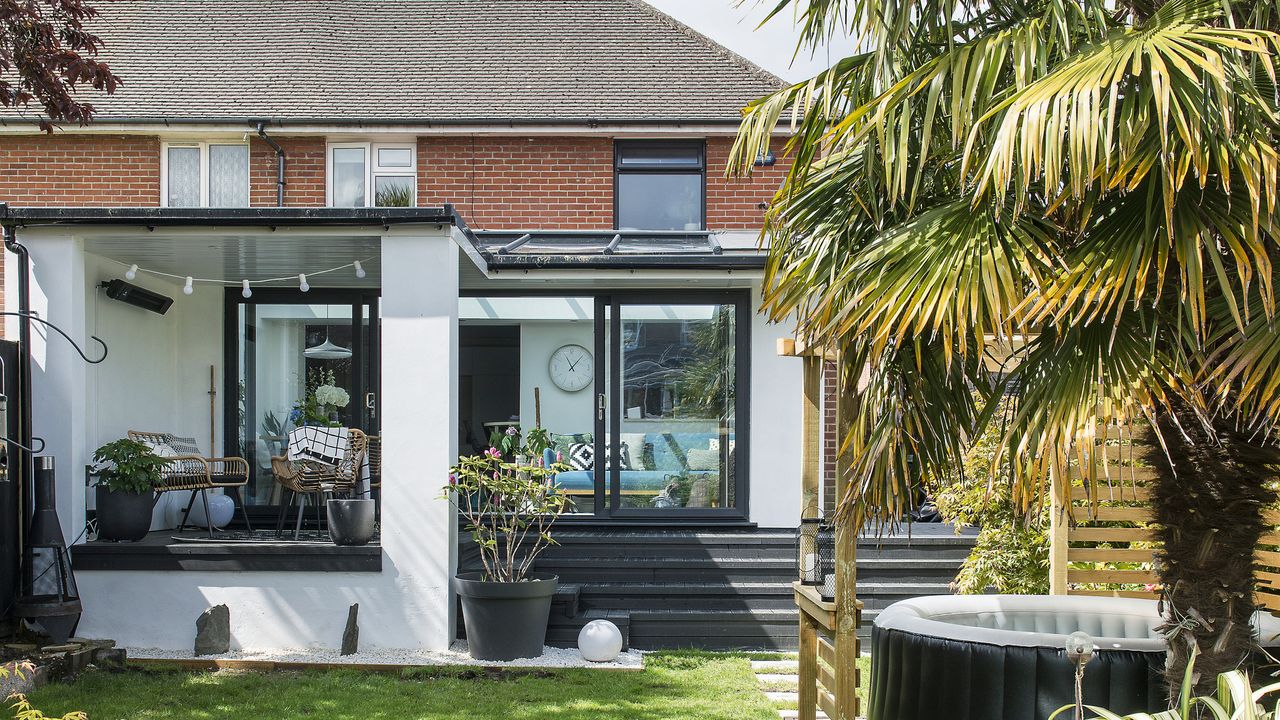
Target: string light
{"x":246,"y":284}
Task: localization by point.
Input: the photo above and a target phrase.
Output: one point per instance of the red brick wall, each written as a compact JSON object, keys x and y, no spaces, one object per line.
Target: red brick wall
{"x":734,"y":204}
{"x":519,"y":182}
{"x":80,"y":170}
{"x":304,"y":172}
{"x":564,"y":183}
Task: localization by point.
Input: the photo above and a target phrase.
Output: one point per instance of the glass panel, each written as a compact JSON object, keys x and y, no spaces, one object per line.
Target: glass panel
{"x":393,"y":191}
{"x":395,"y":157}
{"x":678,"y":369}
{"x":349,"y":177}
{"x":288,"y":351}
{"x":666,"y":155}
{"x":659,"y":201}
{"x":228,"y":176}
{"x":525,"y":360}
{"x":183,"y":177}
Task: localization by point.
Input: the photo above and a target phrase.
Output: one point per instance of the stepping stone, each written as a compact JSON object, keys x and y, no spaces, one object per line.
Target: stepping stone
{"x":777,"y":678}
{"x":783,"y":697}
{"x":773,"y":666}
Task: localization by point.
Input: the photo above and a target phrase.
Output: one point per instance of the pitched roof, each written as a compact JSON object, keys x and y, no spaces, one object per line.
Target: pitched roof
{"x":417,"y":61}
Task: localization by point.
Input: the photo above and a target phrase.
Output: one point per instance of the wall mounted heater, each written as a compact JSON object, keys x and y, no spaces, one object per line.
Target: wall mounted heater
{"x":140,"y":297}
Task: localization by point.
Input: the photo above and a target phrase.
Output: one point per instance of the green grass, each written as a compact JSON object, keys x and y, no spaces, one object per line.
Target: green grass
{"x":692,"y":686}
{"x":864,"y":684}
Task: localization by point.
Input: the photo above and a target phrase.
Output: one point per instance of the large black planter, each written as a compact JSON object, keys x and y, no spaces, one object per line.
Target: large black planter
{"x":351,"y":522}
{"x":123,"y":515}
{"x":505,"y":621}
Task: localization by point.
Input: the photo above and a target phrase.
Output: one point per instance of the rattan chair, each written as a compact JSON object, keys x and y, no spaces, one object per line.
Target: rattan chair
{"x":375,"y":462}
{"x":187,"y":469}
{"x":311,"y":480}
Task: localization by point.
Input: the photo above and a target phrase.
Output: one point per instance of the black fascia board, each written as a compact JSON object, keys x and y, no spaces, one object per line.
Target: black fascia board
{"x":626,"y":262}
{"x":262,"y":216}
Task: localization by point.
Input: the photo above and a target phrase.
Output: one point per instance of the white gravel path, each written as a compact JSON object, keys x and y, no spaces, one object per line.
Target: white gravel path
{"x":455,"y":655}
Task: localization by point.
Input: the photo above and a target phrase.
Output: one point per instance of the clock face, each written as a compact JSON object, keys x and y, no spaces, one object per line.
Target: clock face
{"x":572,"y":368}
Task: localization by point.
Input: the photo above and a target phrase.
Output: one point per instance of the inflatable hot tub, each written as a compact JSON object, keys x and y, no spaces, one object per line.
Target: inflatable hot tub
{"x":1001,"y":657}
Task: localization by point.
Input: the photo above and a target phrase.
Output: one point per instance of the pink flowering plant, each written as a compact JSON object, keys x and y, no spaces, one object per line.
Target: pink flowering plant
{"x":510,"y":507}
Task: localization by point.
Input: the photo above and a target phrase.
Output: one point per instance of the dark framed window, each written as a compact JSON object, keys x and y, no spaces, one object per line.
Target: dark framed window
{"x":660,"y":185}
{"x":665,"y":415}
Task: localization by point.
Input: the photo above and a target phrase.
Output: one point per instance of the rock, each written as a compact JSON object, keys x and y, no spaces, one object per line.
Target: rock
{"x":351,"y":635}
{"x":21,"y":647}
{"x":111,"y":658}
{"x":79,"y":660}
{"x":213,"y":631}
{"x":54,"y":649}
{"x":21,"y":679}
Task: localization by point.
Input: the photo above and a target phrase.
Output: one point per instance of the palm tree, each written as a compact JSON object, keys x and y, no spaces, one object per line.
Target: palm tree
{"x":1092,"y":181}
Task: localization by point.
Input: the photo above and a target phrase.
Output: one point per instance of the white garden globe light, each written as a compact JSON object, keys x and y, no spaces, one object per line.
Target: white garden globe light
{"x":600,"y":641}
{"x":221,"y":507}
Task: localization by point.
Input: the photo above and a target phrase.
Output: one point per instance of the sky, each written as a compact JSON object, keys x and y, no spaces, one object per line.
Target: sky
{"x":770,"y":47}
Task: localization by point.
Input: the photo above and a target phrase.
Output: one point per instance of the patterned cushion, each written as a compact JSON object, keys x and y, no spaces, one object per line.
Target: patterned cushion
{"x":582,"y":456}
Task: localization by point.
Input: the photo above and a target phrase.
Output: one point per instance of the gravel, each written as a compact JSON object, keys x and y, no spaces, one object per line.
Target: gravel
{"x":455,"y":655}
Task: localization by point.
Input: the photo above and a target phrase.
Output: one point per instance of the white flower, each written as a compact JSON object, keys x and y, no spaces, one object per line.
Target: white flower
{"x":332,"y":395}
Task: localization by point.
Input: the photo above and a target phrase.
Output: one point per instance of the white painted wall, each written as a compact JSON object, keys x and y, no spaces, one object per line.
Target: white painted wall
{"x":156,"y":375}
{"x":562,"y":412}
{"x":777,"y":386}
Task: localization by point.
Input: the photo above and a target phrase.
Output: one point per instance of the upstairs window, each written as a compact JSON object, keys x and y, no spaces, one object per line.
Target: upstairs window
{"x":660,"y":185}
{"x":204,"y":174}
{"x":372,"y":175}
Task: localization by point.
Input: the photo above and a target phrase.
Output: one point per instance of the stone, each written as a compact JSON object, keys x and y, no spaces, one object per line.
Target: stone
{"x":79,"y":660}
{"x":111,"y":658}
{"x":213,"y":631}
{"x":54,"y":649}
{"x":21,"y":678}
{"x":351,"y":635}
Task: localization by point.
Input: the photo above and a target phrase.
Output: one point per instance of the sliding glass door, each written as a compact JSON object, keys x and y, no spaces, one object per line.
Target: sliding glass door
{"x":282,"y":346}
{"x":642,"y":394}
{"x":675,"y":387}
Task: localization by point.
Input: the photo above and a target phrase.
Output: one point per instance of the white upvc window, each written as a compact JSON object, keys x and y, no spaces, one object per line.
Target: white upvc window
{"x":204,"y":174}
{"x":372,"y":175}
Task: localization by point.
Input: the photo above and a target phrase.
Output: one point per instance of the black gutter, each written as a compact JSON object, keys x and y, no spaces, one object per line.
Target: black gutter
{"x":23,"y":465}
{"x":260,"y":216}
{"x":262,"y":133}
{"x":625,"y":262}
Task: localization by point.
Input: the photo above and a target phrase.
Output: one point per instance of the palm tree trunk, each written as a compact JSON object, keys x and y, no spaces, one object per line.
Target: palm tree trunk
{"x":1209,"y":500}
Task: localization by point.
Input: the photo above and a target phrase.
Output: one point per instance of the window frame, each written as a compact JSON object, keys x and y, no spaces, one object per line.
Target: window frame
{"x":608,"y":304}
{"x":372,"y":170}
{"x":203,"y":147}
{"x":700,"y":145}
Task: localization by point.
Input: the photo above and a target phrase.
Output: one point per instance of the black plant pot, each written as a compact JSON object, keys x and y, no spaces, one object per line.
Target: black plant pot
{"x":505,"y":620}
{"x":351,"y":522}
{"x":123,"y":515}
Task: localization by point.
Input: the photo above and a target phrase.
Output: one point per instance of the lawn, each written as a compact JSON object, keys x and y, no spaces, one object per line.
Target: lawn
{"x":687,"y":685}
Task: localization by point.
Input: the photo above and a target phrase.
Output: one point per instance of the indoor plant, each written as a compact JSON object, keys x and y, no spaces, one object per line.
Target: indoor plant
{"x":510,"y":508}
{"x":127,"y":472}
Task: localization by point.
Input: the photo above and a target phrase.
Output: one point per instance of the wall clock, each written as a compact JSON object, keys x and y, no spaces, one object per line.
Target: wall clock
{"x":572,"y":368}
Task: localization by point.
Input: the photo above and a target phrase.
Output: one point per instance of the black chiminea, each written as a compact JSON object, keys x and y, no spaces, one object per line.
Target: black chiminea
{"x":49,"y":598}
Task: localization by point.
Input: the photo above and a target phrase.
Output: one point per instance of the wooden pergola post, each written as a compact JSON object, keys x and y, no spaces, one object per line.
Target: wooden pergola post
{"x":828,"y":641}
{"x":1059,"y":525}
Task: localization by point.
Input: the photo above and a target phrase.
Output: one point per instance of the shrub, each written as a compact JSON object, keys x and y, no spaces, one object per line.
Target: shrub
{"x":128,"y":466}
{"x":1011,"y":553}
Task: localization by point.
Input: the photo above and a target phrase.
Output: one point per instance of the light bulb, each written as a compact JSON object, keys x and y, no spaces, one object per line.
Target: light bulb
{"x":360,"y":273}
{"x":302,"y":282}
{"x":1079,"y":647}
{"x":132,"y":272}
{"x":188,"y":289}
{"x":246,"y":292}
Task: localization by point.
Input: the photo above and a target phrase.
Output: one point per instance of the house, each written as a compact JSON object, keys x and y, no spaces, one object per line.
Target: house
{"x":469,"y":214}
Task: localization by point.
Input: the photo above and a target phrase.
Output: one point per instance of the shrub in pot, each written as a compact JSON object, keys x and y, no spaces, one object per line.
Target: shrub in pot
{"x":510,"y":508}
{"x":128,"y":473}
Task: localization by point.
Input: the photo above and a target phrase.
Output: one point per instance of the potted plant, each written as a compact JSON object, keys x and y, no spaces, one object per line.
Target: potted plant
{"x":510,"y":508}
{"x":128,"y":473}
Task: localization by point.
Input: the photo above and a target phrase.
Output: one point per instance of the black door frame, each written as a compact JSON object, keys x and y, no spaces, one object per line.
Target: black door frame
{"x":366,"y":370}
{"x":607,"y":305}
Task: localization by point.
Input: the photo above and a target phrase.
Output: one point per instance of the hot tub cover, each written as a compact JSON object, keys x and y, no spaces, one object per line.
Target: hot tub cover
{"x":1001,"y":657}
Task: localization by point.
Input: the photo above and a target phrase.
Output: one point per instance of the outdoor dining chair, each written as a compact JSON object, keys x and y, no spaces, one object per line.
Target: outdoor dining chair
{"x":187,"y":469}
{"x":314,"y":480}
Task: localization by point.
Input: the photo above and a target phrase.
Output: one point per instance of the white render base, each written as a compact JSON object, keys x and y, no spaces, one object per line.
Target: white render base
{"x":269,"y":610}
